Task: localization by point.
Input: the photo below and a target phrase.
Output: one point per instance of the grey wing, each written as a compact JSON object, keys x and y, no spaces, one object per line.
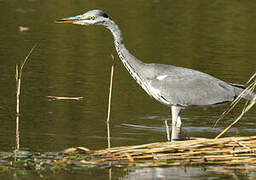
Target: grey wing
{"x":187,"y":87}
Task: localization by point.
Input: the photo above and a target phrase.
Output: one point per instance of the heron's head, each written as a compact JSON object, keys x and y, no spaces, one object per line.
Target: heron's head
{"x":88,"y":18}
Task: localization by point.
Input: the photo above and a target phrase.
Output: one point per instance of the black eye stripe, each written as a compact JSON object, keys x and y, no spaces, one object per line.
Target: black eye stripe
{"x":105,"y":15}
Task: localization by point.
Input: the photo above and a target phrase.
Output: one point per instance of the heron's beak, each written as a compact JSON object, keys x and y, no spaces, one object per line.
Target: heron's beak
{"x":67,"y":20}
{"x":82,"y":19}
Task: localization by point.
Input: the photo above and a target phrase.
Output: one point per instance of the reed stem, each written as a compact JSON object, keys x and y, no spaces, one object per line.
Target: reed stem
{"x":109,"y":104}
{"x":18,"y":76}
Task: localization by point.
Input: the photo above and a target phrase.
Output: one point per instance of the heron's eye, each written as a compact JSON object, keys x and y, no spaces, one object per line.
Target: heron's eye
{"x":92,"y":17}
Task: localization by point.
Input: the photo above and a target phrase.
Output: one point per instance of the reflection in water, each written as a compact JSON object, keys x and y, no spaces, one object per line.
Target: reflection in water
{"x":143,"y":127}
{"x":176,"y":173}
{"x":110,"y":173}
{"x":164,"y":173}
{"x":17,"y":132}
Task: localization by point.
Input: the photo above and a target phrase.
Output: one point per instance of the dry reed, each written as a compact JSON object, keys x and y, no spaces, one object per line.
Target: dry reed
{"x":248,"y":105}
{"x":109,"y":104}
{"x":18,"y":76}
{"x":222,"y":151}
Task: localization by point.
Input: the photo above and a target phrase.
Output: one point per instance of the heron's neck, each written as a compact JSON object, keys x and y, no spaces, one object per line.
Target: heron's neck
{"x":131,"y":63}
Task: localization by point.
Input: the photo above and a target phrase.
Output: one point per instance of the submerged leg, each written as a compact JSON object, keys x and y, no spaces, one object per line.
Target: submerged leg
{"x":176,"y":123}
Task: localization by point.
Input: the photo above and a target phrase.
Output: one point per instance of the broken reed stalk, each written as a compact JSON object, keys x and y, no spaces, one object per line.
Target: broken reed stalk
{"x":109,"y":103}
{"x":245,"y":110}
{"x":167,"y":130}
{"x":250,"y":88}
{"x":247,"y":107}
{"x":18,"y":77}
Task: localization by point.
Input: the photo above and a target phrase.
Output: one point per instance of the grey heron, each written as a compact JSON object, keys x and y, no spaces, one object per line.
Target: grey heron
{"x":175,"y":87}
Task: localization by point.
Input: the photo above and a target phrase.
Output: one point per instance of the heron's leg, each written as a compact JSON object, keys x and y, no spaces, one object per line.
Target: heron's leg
{"x":176,"y":123}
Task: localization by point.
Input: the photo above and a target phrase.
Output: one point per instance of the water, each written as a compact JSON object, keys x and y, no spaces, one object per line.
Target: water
{"x":211,"y":36}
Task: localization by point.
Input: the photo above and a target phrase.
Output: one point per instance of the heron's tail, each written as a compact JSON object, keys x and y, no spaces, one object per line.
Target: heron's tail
{"x":240,"y":88}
